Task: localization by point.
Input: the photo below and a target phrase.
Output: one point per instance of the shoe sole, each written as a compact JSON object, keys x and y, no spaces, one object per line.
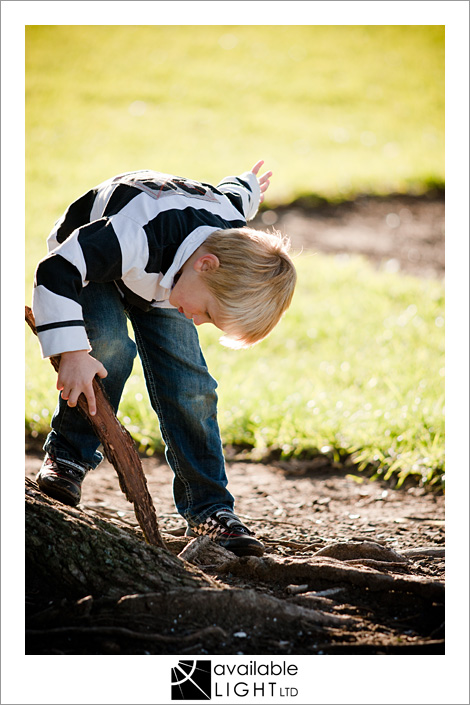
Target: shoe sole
{"x":57,"y":492}
{"x":246,"y":551}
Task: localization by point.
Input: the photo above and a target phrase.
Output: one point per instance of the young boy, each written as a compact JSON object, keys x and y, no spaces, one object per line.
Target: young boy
{"x":168,"y":254}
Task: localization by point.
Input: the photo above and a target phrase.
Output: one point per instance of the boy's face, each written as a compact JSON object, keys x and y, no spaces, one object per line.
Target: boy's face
{"x":191,"y":296}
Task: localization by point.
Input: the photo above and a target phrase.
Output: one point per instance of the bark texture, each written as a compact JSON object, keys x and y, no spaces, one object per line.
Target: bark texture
{"x":77,"y":554}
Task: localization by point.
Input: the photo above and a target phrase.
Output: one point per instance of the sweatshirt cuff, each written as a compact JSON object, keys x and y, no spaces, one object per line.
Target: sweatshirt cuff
{"x":60,"y":340}
{"x":255,"y":194}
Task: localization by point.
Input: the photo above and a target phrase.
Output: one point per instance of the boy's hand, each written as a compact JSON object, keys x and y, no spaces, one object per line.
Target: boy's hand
{"x":262,"y":180}
{"x":76,"y":372}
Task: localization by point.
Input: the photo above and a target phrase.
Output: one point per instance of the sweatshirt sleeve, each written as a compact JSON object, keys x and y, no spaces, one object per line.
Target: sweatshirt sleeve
{"x":245,"y":189}
{"x":99,"y":251}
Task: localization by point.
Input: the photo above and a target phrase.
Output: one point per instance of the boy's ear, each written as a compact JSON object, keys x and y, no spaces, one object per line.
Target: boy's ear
{"x":206,"y":262}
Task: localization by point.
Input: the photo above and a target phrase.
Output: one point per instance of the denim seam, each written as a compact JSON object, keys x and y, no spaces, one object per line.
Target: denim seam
{"x":151,"y":382}
{"x":63,"y":455}
{"x":49,"y":446}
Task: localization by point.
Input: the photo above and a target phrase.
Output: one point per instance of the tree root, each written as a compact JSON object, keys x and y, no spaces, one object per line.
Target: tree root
{"x":387,"y":567}
{"x":247,"y":609}
{"x":128,"y":633}
{"x":321,"y":570}
{"x":357,"y":551}
{"x":81,"y":554}
{"x":202,"y":551}
{"x":424,"y":552}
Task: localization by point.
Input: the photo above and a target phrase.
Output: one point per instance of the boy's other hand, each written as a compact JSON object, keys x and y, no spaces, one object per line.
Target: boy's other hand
{"x":262,"y":180}
{"x":77,"y":370}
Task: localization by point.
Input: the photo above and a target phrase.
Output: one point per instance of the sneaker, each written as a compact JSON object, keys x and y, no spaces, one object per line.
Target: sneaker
{"x":61,"y":479}
{"x":226,"y":529}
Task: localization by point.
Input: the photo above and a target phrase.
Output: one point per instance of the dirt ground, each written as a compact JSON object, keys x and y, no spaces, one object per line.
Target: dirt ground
{"x":398,"y":233}
{"x":302,"y":507}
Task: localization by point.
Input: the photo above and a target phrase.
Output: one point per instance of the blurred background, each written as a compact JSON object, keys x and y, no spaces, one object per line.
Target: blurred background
{"x":355,"y":369}
{"x":333,"y":110}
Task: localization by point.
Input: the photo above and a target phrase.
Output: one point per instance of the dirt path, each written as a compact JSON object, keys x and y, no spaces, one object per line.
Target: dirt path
{"x":298,"y":502}
{"x":301,"y":508}
{"x":400,"y":234}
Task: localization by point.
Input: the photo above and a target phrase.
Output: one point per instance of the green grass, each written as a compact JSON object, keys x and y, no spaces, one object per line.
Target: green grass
{"x":334,"y":110}
{"x":355,"y":367}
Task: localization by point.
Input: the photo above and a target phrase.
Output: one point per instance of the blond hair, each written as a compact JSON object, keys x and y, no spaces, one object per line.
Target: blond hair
{"x":253,"y":284}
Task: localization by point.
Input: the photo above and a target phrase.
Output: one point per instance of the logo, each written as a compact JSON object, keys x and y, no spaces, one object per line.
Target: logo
{"x":191,"y":680}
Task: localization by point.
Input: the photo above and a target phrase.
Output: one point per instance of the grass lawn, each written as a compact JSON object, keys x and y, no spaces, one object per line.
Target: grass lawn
{"x":356,"y":366}
{"x":334,"y":110}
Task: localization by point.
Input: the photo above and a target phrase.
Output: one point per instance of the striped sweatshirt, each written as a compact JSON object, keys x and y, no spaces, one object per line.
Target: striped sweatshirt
{"x":136,"y":229}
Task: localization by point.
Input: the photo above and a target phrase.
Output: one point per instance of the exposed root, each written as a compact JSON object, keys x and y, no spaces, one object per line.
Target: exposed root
{"x":424,"y":552}
{"x":202,"y":551}
{"x":128,"y":633}
{"x":366,"y":549}
{"x":228,"y":608}
{"x":387,"y":567}
{"x":322,"y":570}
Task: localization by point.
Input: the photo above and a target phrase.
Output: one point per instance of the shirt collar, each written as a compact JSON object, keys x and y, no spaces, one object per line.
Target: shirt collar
{"x":184,"y":252}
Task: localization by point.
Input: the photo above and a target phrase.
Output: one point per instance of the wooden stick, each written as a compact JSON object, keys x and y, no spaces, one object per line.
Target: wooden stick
{"x":120,"y":451}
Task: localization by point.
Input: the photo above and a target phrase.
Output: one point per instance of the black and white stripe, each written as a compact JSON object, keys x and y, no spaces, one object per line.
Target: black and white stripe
{"x":135,"y":229}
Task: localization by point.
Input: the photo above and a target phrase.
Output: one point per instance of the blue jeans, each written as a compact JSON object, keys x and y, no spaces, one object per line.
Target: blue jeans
{"x":181,"y":390}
